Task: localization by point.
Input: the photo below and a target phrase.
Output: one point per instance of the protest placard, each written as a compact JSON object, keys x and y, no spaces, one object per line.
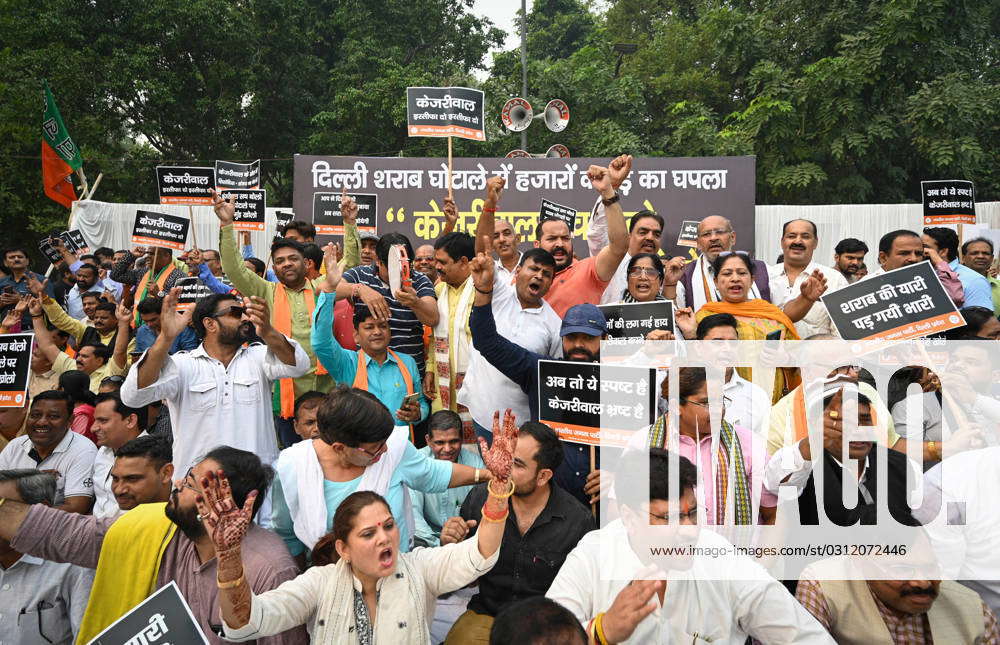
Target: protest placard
{"x":241,"y":176}
{"x":185,"y":184}
{"x":630,"y":322}
{"x":328,"y":220}
{"x":908,"y":302}
{"x":159,"y":229}
{"x":689,"y":233}
{"x":15,"y":369}
{"x":49,"y":251}
{"x":162,"y":618}
{"x":948,"y":201}
{"x":250,"y":208}
{"x":192,"y":290}
{"x":74,"y":241}
{"x":445,"y":112}
{"x":552,"y":210}
{"x":583,"y":401}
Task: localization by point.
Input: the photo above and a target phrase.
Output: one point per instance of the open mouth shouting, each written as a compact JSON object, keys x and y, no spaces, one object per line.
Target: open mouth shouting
{"x":386,"y":558}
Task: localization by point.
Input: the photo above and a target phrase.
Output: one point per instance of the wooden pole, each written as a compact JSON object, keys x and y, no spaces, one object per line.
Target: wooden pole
{"x":93,"y":189}
{"x":450,"y":193}
{"x":194,"y":229}
{"x":593,"y":467}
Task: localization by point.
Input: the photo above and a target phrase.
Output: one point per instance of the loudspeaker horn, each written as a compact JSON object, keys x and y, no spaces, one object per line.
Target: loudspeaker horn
{"x":556,"y":115}
{"x":517,"y":154}
{"x":558,"y":150}
{"x":516,"y":114}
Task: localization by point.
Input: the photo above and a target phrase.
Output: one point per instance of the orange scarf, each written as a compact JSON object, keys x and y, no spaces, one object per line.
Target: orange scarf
{"x":361,"y":376}
{"x":143,"y":286}
{"x":756,"y":308}
{"x":281,"y":319}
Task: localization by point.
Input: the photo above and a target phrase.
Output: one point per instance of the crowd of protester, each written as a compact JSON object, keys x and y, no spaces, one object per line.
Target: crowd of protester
{"x":313,"y":455}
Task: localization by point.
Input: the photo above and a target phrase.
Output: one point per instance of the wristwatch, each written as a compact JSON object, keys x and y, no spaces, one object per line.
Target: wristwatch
{"x":608,"y":202}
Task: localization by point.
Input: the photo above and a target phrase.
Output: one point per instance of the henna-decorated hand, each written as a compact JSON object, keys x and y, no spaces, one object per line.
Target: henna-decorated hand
{"x":499,"y":457}
{"x":224,"y":521}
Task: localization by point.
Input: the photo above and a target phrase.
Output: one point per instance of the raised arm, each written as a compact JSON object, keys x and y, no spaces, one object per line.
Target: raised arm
{"x":487,"y":219}
{"x":244,"y":280}
{"x":120,"y":356}
{"x":277,"y":343}
{"x":498,"y":458}
{"x":42,"y":335}
{"x":352,"y":242}
{"x":57,"y":315}
{"x":812,"y":288}
{"x":612,"y":255}
{"x":171,"y":325}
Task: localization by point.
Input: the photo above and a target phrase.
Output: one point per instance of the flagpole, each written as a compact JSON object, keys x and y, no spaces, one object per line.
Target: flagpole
{"x":194,"y":229}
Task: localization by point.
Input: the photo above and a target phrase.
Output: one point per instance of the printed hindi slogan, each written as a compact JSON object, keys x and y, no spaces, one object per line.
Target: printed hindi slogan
{"x":445,"y":112}
{"x":251,"y":206}
{"x":948,"y":201}
{"x":161,"y":619}
{"x":192,"y":290}
{"x":328,"y":220}
{"x":689,"y":234}
{"x":185,"y":184}
{"x":552,"y":210}
{"x":411,"y":191}
{"x":908,"y":302}
{"x":15,"y":364}
{"x":160,"y":229}
{"x":242,"y":176}
{"x":629,"y":323}
{"x":74,"y":241}
{"x":594,"y":403}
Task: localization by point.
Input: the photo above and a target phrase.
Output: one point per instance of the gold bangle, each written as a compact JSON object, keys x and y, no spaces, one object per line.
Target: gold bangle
{"x":489,"y":489}
{"x":599,"y":628}
{"x":932,"y":448}
{"x":230,"y":584}
{"x":477,"y":476}
{"x":2,"y":500}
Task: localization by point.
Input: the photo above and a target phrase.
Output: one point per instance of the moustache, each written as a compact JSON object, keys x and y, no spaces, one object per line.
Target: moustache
{"x":917,"y":591}
{"x":797,"y":247}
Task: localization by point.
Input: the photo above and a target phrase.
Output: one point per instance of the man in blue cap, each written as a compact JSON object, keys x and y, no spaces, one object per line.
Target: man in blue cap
{"x":583,"y":328}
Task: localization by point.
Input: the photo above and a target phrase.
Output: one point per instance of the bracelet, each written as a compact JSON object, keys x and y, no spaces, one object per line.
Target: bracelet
{"x":932,"y":448}
{"x":354,"y":290}
{"x":230,"y":584}
{"x":495,"y":518}
{"x":599,"y":629}
{"x":591,"y":633}
{"x":489,"y":489}
{"x":488,"y":210}
{"x":611,"y":200}
{"x":37,"y":315}
{"x":485,"y":293}
{"x":477,"y":476}
{"x":2,"y":500}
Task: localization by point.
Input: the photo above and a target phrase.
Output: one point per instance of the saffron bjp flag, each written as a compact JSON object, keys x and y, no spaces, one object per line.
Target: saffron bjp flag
{"x":60,"y":156}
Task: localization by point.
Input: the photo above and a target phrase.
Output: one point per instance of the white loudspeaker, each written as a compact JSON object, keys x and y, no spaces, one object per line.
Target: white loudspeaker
{"x":558,"y":150}
{"x":517,"y":154}
{"x":556,"y":115}
{"x":516,"y":114}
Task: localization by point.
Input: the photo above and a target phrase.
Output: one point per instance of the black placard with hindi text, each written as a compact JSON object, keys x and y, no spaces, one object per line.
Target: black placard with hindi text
{"x":328,"y":220}
{"x":192,"y":290}
{"x":50,"y":252}
{"x":185,"y":184}
{"x":162,"y":617}
{"x":160,"y":229}
{"x":689,"y":233}
{"x":948,"y":201}
{"x":251,"y":207}
{"x":631,"y":322}
{"x":74,"y":241}
{"x":908,"y":302}
{"x":240,"y":176}
{"x":445,"y":112}
{"x":552,"y":210}
{"x":15,"y":369}
{"x":595,"y":404}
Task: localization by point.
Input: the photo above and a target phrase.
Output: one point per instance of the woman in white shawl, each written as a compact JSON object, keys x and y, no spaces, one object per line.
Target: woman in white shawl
{"x":372,"y":593}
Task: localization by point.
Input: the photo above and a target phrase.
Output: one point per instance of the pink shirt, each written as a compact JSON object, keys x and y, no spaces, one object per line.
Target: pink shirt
{"x":576,"y":284}
{"x":754,"y":460}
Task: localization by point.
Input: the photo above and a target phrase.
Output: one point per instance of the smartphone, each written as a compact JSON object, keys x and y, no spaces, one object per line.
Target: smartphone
{"x":410,"y":398}
{"x":774,"y":335}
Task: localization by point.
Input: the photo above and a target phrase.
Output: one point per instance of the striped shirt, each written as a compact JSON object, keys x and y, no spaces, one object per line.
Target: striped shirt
{"x":407,"y":331}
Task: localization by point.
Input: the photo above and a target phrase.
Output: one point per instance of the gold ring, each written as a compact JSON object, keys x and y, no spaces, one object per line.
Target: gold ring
{"x":834,"y":414}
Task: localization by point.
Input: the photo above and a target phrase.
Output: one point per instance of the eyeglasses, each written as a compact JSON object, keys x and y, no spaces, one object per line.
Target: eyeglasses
{"x":677,"y":518}
{"x":650,"y":272}
{"x":113,"y":379}
{"x":725,"y":401}
{"x":378,"y":451}
{"x":728,"y":253}
{"x":234,"y":310}
{"x":185,"y":483}
{"x":715,"y":231}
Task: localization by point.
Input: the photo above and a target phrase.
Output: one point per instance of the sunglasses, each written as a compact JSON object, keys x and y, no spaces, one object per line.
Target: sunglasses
{"x":234,"y":310}
{"x":113,"y":379}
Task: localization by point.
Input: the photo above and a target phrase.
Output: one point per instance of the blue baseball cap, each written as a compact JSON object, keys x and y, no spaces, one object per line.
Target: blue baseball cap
{"x":585,"y":319}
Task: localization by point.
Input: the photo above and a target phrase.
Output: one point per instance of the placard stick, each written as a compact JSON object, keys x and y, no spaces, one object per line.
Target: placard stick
{"x":194,"y":228}
{"x":593,"y":467}
{"x":450,"y":193}
{"x":93,"y":189}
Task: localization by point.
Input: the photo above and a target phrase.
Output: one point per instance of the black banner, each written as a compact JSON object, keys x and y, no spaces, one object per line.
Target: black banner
{"x":689,"y":233}
{"x":74,"y":241}
{"x":630,"y":322}
{"x":192,"y":290}
{"x":250,"y":208}
{"x":242,"y":176}
{"x":908,"y":302}
{"x":948,"y":201}
{"x":50,"y":252}
{"x":164,"y":615}
{"x":445,"y":112}
{"x":552,"y":210}
{"x":15,"y":369}
{"x":328,"y":220}
{"x":591,"y":403}
{"x":160,"y":229}
{"x":185,"y":184}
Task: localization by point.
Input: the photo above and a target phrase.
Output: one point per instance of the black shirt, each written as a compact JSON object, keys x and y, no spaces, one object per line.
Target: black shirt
{"x":528,"y":564}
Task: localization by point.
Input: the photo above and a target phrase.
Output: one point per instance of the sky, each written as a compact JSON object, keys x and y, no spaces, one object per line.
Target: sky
{"x":502,"y":13}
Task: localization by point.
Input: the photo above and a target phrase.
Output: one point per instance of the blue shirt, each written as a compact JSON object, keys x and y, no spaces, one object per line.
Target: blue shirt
{"x":976,"y":287}
{"x":415,"y":471}
{"x":385,"y":381}
{"x":21,"y":288}
{"x":187,"y":340}
{"x":432,"y":510}
{"x":208,"y":278}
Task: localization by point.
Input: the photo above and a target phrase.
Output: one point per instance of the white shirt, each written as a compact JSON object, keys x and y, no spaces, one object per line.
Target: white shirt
{"x":37,"y":593}
{"x":73,"y":458}
{"x":742,"y":600}
{"x":503,"y":273}
{"x":211,"y":405}
{"x":485,"y":388}
{"x":105,"y":504}
{"x":816,"y":320}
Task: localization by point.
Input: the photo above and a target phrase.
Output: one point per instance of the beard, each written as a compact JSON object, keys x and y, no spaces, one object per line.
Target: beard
{"x":245,"y":333}
{"x":185,"y":519}
{"x":581,"y":354}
